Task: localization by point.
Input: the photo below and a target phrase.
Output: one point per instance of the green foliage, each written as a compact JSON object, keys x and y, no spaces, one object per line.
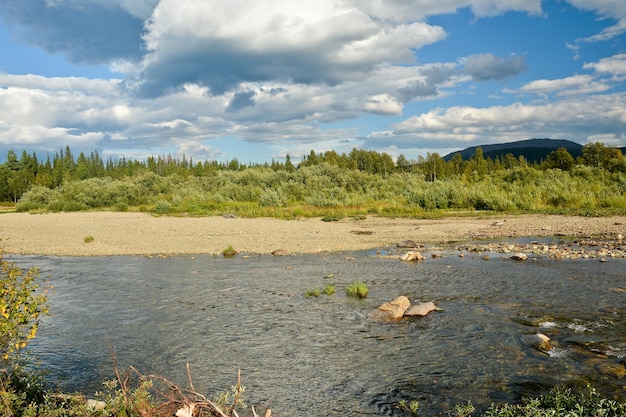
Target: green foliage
{"x":357,"y":289}
{"x":88,"y":239}
{"x":327,"y":185}
{"x":315,"y":292}
{"x":329,"y":289}
{"x":229,"y":252}
{"x":413,"y":406}
{"x":21,"y":307}
{"x":561,"y":401}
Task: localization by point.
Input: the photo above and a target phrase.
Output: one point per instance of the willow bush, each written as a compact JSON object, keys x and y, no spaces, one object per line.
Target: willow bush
{"x":315,"y":189}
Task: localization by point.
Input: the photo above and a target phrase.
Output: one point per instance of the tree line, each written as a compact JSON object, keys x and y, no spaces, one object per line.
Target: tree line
{"x":18,"y":174}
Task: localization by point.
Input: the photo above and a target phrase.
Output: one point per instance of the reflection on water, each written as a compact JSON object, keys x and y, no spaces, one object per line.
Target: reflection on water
{"x":323,"y":356}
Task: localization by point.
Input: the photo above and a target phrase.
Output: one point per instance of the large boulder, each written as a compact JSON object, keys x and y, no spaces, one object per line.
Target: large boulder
{"x":420,"y":310}
{"x":391,"y":310}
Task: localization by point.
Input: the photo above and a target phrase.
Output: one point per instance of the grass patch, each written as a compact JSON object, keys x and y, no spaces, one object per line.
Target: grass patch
{"x":313,"y":293}
{"x":357,"y":289}
{"x":229,"y":252}
{"x":329,"y":289}
{"x":88,"y":239}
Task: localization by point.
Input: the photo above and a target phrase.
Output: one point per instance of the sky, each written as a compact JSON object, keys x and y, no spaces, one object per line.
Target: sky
{"x":257,"y":80}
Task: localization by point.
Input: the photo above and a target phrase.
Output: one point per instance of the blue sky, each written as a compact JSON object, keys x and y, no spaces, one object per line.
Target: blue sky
{"x":258,"y":79}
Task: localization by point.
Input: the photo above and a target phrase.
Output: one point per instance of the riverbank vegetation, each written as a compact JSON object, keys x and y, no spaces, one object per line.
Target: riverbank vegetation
{"x":326,"y":185}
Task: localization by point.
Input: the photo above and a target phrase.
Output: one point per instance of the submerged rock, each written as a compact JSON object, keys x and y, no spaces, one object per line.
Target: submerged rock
{"x":519,"y":256}
{"x":538,"y":341}
{"x":412,"y":256}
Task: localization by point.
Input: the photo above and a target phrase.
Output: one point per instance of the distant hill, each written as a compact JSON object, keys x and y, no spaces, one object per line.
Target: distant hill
{"x":534,"y":150}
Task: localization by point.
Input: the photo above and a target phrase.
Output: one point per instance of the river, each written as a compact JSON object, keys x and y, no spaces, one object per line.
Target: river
{"x":323,"y":356}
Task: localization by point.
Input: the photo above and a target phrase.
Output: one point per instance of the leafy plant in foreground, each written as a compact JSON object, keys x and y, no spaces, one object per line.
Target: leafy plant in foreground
{"x":21,"y":307}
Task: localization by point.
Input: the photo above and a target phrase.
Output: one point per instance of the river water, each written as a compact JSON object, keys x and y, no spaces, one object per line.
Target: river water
{"x":323,"y":356}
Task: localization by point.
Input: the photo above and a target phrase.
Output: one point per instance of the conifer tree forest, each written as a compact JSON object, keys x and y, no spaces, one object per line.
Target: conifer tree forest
{"x":323,"y":184}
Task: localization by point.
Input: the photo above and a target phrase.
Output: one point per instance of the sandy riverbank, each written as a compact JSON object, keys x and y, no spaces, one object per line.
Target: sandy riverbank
{"x":143,"y":234}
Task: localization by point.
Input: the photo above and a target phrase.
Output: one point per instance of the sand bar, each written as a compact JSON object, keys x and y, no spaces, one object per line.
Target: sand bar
{"x":116,"y":233}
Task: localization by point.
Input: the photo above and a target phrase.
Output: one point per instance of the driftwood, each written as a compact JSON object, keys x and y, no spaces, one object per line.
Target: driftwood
{"x":178,"y":401}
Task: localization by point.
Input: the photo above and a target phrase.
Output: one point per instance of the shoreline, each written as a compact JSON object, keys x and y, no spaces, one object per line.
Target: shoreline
{"x":132,"y":233}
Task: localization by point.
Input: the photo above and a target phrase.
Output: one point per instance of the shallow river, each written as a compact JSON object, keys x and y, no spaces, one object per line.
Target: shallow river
{"x":323,"y":356}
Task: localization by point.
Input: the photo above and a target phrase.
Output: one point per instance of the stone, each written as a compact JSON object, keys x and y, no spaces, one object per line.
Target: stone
{"x":96,"y":405}
{"x":412,"y":256}
{"x":409,"y":244}
{"x":391,"y":310}
{"x":280,"y":252}
{"x":519,"y":256}
{"x":538,"y":341}
{"x":420,"y":310}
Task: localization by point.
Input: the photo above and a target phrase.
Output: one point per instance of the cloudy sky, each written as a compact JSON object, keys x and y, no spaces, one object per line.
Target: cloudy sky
{"x":258,"y":79}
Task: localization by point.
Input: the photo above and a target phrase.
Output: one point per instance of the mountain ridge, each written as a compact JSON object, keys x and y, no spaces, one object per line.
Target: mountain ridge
{"x":534,"y":150}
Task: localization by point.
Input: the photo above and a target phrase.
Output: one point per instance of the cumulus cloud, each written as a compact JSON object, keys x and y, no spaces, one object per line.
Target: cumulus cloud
{"x":487,"y":67}
{"x":614,"y":65}
{"x":314,"y":41}
{"x":577,"y":118}
{"x":288,"y":74}
{"x":382,"y":104}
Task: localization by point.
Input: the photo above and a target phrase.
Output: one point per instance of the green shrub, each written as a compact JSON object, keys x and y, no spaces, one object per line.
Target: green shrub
{"x":312,"y":293}
{"x":163,"y":207}
{"x":88,"y":239}
{"x":229,"y":252}
{"x":36,"y":198}
{"x":357,"y":289}
{"x":561,"y":401}
{"x":329,"y":289}
{"x":21,"y":307}
{"x":272,"y":198}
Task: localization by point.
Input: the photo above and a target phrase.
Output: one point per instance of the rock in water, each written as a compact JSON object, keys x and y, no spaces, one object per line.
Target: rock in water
{"x":538,"y":341}
{"x":519,"y":256}
{"x":420,"y":310}
{"x":392,"y":310}
{"x":412,"y":256}
{"x":408,"y":244}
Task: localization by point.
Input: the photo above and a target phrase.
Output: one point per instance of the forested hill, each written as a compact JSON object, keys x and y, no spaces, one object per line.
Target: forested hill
{"x":533,"y":150}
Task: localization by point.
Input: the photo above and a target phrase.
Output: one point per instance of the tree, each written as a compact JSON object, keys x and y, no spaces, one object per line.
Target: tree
{"x":561,"y":159}
{"x":596,"y":155}
{"x":288,"y":164}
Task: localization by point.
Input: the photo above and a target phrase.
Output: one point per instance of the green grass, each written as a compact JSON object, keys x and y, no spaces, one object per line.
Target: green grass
{"x":229,"y":252}
{"x":357,"y":289}
{"x":315,"y":292}
{"x":88,"y":239}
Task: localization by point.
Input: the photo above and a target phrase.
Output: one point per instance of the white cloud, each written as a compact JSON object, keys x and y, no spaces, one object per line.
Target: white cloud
{"x":576,"y":118}
{"x":575,"y":82}
{"x":314,"y":41}
{"x":613,"y":65}
{"x":382,"y":104}
{"x":614,"y":9}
